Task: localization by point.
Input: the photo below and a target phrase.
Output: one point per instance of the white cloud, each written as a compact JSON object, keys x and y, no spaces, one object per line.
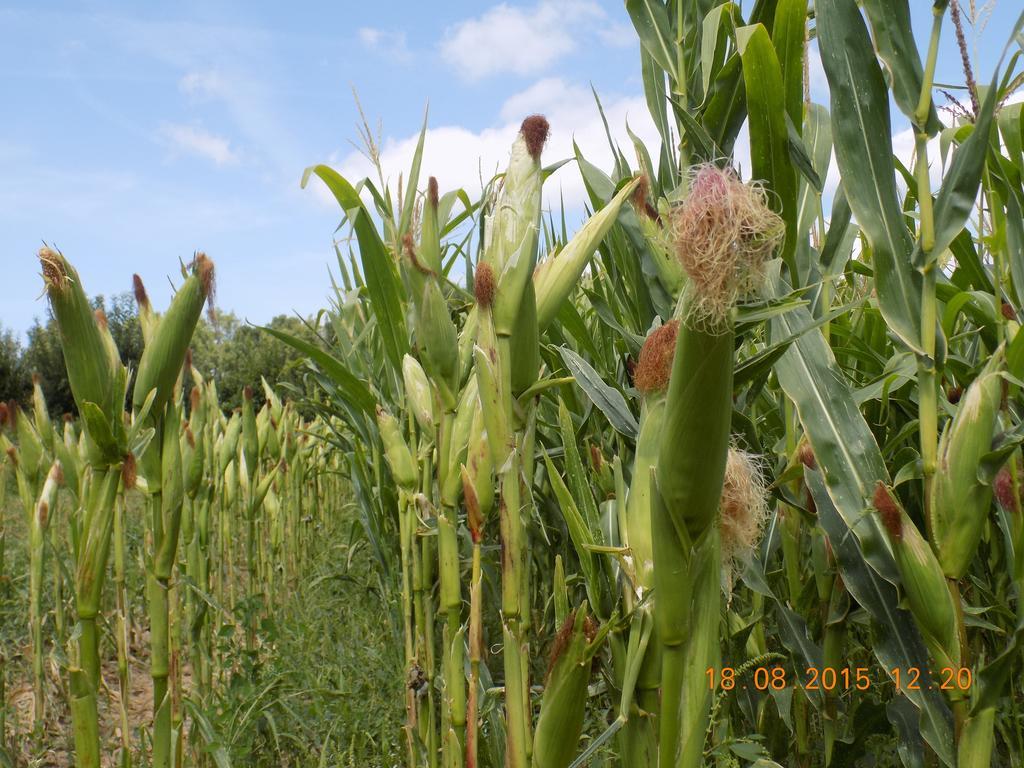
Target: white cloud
{"x":205,"y":84}
{"x":460,"y":157}
{"x":523,"y":41}
{"x":196,"y":141}
{"x":393,"y":45}
{"x":618,"y":35}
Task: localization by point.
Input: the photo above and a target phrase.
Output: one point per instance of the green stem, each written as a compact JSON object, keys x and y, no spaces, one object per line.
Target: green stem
{"x":124,"y":683}
{"x":673,"y":672}
{"x":405,"y":522}
{"x":36,"y":556}
{"x":927,"y":375}
{"x":516,"y":695}
{"x":159,"y":663}
{"x":85,"y":719}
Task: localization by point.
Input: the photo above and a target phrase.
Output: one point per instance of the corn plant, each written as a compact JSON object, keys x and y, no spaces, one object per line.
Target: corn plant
{"x":853,"y":352}
{"x":155,"y":401}
{"x":98,"y":382}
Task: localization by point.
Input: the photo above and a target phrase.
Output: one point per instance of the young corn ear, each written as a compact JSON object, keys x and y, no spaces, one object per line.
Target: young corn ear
{"x":164,"y":353}
{"x":512,"y":232}
{"x":436,"y":337}
{"x":454,"y":445}
{"x":229,"y":444}
{"x":92,"y":373}
{"x":563,"y":705}
{"x":724,"y":234}
{"x":651,"y":378}
{"x":250,"y":435}
{"x":924,"y":583}
{"x":396,"y":451}
{"x":479,"y":468}
{"x":41,"y":414}
{"x":962,"y":488}
{"x":417,"y":394}
{"x":658,"y":239}
{"x":556,"y":276}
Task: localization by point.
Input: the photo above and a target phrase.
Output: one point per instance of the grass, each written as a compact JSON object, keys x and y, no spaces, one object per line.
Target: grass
{"x":324,"y":688}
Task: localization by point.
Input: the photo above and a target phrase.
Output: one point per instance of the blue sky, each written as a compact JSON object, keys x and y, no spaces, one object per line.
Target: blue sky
{"x":133,"y":134}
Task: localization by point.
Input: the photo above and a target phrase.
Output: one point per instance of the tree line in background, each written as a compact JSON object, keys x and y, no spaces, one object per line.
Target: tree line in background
{"x":227,"y":349}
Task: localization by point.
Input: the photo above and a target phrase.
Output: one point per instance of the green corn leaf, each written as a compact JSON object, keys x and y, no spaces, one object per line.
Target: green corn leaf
{"x":896,"y":640}
{"x":702,"y":145}
{"x":579,"y":532}
{"x":354,"y":390}
{"x":577,"y":476}
{"x":861,"y":132}
{"x":726,"y":105}
{"x":959,"y":190}
{"x":717,"y":25}
{"x":894,"y":41}
{"x":607,"y":399}
{"x":409,"y":205}
{"x":839,"y":224}
{"x":903,"y":716}
{"x":655,"y":96}
{"x":789,"y":36}
{"x":382,"y":281}
{"x":98,"y":429}
{"x":652,"y":25}
{"x":769,"y":136}
{"x":839,"y":435}
{"x":802,"y":160}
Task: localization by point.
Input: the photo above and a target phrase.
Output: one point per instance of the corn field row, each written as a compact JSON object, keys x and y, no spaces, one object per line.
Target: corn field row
{"x":729,"y":476}
{"x":230,"y":504}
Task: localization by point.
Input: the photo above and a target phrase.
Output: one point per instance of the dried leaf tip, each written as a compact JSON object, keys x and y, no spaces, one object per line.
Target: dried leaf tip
{"x":806,"y":456}
{"x":654,"y":366}
{"x":202,"y":265}
{"x":194,"y":399}
{"x":432,"y":196}
{"x":892,"y":515}
{"x":141,"y":297}
{"x":1003,"y":488}
{"x":535,"y":131}
{"x":474,"y":515}
{"x":247,"y":392}
{"x":561,"y":640}
{"x":36,"y":379}
{"x":54,"y":273}
{"x":101,"y":319}
{"x":640,"y":201}
{"x":1008,"y":311}
{"x":128,"y":471}
{"x":3,"y":415}
{"x":483,"y":284}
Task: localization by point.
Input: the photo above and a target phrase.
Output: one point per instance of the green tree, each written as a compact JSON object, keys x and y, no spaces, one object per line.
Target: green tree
{"x":44,"y":356}
{"x":15,"y":381}
{"x":236,"y":354}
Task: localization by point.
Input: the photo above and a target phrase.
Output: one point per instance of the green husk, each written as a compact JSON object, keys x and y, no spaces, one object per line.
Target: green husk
{"x":563,"y":705}
{"x":962,"y":489}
